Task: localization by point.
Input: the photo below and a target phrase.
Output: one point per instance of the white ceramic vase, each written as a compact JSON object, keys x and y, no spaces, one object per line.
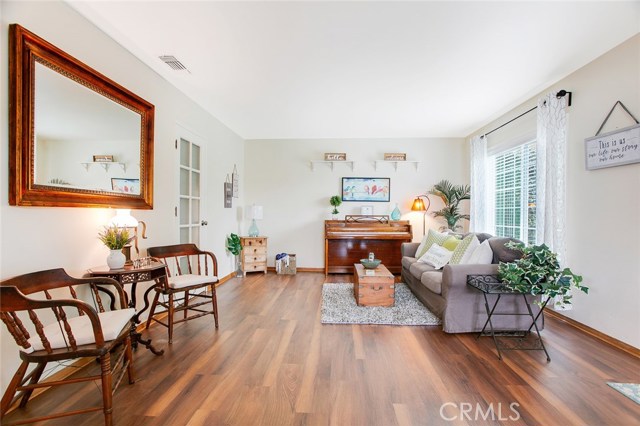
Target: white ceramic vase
{"x":116,"y":259}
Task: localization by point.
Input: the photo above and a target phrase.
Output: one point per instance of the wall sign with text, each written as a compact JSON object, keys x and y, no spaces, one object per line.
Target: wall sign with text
{"x":615,"y":148}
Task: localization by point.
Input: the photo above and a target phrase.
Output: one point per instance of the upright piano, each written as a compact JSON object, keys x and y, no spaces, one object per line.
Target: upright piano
{"x":347,"y":241}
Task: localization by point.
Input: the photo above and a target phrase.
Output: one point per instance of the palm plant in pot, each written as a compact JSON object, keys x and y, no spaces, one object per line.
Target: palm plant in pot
{"x":451,"y":196}
{"x":234,"y":247}
{"x":115,"y":239}
{"x":538,"y":272}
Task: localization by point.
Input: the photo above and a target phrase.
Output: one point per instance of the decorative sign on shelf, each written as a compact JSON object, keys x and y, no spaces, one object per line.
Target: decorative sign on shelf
{"x":615,"y":148}
{"x":103,"y":158}
{"x":395,"y":156}
{"x":335,"y":156}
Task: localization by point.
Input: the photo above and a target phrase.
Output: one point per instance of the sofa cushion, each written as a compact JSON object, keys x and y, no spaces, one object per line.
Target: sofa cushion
{"x":419,"y":268}
{"x":500,"y":252}
{"x":475,"y":243}
{"x":432,"y":237}
{"x":437,"y":256}
{"x":463,"y":249}
{"x":407,"y":261}
{"x":433,"y":281}
{"x":482,"y":255}
{"x":451,"y":243}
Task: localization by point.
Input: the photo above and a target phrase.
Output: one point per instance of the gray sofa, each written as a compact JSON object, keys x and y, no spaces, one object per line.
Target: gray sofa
{"x":446,"y":293}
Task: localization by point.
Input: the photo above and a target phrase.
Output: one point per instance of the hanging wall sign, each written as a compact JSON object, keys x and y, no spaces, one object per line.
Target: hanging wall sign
{"x":235,"y":180}
{"x":615,"y":148}
{"x":228,"y":193}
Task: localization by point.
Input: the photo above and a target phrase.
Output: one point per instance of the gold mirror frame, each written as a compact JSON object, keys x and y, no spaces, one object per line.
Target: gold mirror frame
{"x":25,"y":49}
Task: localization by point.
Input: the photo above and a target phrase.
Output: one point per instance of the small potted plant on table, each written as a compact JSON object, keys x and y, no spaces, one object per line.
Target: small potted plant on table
{"x":115,"y":239}
{"x":335,"y":201}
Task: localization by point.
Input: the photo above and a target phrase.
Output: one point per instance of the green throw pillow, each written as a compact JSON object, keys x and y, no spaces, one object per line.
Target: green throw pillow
{"x":460,"y":250}
{"x":433,"y":237}
{"x":451,"y":243}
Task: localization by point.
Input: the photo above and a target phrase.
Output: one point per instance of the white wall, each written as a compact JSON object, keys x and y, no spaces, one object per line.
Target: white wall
{"x":296,"y":199}
{"x":603,"y":206}
{"x":36,"y":238}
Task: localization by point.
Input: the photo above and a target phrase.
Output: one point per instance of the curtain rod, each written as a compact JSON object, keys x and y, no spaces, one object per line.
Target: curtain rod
{"x":560,"y":94}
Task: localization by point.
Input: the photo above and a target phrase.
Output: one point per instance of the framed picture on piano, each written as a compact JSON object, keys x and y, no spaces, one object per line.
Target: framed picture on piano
{"x":366,"y":189}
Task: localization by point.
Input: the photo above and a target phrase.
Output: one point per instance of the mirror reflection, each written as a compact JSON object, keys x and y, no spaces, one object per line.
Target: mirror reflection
{"x":83,"y":140}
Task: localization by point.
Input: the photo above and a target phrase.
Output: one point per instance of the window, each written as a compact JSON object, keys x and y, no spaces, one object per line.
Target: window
{"x":515,"y":193}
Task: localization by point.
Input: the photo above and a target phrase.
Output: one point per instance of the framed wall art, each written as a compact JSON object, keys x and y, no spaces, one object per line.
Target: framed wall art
{"x":366,"y":189}
{"x":127,"y":186}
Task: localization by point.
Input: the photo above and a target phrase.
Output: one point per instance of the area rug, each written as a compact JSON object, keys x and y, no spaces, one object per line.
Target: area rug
{"x":630,"y":390}
{"x":339,"y":307}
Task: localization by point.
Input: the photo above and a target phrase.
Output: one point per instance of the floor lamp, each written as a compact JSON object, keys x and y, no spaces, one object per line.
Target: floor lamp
{"x":419,"y":206}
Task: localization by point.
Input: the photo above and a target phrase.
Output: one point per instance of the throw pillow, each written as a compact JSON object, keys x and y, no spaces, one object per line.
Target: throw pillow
{"x":437,"y":256}
{"x":483,"y":255}
{"x":421,"y":248}
{"x":451,"y":243}
{"x":463,"y":248}
{"x":433,"y":237}
{"x":473,"y":245}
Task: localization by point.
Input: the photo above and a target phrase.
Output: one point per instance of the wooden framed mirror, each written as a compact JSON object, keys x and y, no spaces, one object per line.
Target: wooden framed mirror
{"x":76,"y":138}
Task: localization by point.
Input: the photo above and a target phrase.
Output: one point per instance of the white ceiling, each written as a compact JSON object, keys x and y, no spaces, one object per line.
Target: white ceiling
{"x":303,"y":69}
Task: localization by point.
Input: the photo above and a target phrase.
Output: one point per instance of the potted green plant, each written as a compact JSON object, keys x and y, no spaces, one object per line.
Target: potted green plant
{"x":451,"y":196}
{"x":335,"y":201}
{"x":115,"y":239}
{"x":234,"y":247}
{"x":538,"y":272}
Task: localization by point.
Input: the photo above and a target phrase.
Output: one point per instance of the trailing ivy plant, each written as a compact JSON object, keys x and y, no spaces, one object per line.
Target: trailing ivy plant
{"x":233,"y":244}
{"x":538,"y":273}
{"x":451,"y":196}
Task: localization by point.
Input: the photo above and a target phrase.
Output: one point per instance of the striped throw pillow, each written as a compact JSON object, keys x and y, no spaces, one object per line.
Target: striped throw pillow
{"x":462,"y":248}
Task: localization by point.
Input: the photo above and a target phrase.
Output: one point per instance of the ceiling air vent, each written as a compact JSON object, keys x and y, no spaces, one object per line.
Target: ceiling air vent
{"x":173,"y":63}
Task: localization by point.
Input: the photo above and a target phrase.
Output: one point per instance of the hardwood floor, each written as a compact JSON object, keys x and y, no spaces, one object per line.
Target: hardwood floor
{"x":272,"y":362}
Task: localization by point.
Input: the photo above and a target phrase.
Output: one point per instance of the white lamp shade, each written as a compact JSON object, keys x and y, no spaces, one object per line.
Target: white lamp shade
{"x":256,"y":212}
{"x":123,"y":219}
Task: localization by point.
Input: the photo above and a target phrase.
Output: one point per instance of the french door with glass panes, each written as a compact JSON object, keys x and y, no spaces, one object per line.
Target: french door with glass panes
{"x":190,"y":190}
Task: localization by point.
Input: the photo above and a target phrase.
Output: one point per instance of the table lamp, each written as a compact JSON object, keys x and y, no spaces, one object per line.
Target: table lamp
{"x":419,"y":206}
{"x":255,"y":213}
{"x":123,"y":219}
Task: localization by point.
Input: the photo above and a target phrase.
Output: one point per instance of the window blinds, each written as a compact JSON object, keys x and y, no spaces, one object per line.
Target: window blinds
{"x":515,"y":193}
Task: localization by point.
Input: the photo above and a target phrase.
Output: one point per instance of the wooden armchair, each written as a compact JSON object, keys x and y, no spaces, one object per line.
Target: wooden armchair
{"x":193,"y":269}
{"x":77,"y":330}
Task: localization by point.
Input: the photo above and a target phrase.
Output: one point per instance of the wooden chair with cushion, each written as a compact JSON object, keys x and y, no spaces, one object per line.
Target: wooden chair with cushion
{"x":189,"y":269}
{"x":75,"y":329}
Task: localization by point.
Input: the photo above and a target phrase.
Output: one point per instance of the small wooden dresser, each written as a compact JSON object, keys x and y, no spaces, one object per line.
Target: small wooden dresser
{"x":254,"y":254}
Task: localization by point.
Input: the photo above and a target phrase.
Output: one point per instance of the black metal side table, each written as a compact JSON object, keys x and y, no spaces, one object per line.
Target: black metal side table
{"x":491,"y":285}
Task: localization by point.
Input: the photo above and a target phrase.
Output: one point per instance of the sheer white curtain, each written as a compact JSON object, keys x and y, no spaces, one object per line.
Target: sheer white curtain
{"x":551,"y":155}
{"x":481,"y":210}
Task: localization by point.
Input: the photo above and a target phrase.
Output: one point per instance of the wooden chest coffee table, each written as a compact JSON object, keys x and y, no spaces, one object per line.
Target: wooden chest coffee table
{"x":373,"y":287}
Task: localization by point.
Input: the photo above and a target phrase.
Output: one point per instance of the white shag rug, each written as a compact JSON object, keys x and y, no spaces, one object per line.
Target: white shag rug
{"x":339,"y":307}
